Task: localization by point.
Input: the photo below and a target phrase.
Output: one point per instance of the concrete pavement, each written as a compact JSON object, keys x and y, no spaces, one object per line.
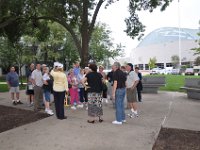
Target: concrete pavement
{"x":170,"y":109}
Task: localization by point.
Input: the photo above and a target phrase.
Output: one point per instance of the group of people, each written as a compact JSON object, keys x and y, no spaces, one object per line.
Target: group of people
{"x":86,"y":87}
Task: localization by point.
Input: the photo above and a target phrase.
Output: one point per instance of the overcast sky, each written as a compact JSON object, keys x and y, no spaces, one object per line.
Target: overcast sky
{"x":115,"y":14}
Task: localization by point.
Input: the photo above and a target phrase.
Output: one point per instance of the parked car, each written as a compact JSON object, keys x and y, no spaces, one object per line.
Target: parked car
{"x":189,"y":71}
{"x":176,"y":71}
{"x":156,"y":71}
{"x":199,"y":73}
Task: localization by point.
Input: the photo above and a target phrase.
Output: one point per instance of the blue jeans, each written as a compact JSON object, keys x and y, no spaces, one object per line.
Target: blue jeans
{"x":119,"y":104}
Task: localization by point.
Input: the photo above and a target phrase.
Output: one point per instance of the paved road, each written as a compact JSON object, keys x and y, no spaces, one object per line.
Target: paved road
{"x":170,"y":109}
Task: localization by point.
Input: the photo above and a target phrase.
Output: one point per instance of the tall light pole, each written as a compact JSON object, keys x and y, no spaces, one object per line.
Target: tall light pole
{"x":179,"y":31}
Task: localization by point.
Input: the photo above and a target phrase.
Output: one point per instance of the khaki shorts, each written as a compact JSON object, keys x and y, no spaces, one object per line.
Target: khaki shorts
{"x":131,"y":95}
{"x":14,"y":89}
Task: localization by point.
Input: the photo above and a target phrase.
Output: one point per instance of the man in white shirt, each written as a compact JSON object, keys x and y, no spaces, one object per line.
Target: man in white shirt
{"x":37,"y":81}
{"x":131,"y":89}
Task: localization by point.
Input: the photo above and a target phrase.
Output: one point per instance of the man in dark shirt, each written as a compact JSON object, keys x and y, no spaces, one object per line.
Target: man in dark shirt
{"x":119,"y":79}
{"x":12,"y":79}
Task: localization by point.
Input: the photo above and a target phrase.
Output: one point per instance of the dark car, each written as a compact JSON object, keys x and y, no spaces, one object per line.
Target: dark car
{"x":199,"y":73}
{"x":189,"y":71}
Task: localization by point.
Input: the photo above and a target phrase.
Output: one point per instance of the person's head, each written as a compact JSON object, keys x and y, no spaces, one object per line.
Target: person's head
{"x":129,"y":67}
{"x":101,"y":68}
{"x":87,"y":70}
{"x":76,"y":64}
{"x":123,"y":68}
{"x":137,"y":69}
{"x":116,"y":66}
{"x":38,"y":66}
{"x":71,"y":71}
{"x":93,"y":67}
{"x":82,"y":71}
{"x":12,"y":69}
{"x":32,"y":66}
{"x":60,"y":67}
{"x":46,"y":70}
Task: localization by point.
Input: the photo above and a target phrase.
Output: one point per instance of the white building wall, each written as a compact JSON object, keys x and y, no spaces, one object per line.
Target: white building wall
{"x":163,"y":52}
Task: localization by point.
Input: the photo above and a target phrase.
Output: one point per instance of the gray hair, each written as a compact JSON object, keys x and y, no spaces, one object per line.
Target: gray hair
{"x":117,"y":64}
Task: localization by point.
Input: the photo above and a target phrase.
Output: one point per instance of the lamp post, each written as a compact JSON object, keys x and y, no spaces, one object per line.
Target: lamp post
{"x":179,"y":36}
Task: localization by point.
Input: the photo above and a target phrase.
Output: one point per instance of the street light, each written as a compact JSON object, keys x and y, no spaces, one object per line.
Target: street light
{"x":179,"y":36}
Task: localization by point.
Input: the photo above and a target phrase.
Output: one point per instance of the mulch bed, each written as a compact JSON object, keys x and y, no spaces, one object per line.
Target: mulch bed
{"x":13,"y":117}
{"x":177,"y":139}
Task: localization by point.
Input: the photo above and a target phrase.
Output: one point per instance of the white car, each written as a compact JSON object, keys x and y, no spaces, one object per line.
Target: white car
{"x":156,"y":71}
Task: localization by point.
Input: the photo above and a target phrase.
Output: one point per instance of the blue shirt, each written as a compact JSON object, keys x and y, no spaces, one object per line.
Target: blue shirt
{"x":13,"y":79}
{"x":76,"y":71}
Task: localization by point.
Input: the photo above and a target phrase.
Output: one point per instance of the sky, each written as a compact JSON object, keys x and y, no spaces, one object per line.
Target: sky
{"x":185,"y":13}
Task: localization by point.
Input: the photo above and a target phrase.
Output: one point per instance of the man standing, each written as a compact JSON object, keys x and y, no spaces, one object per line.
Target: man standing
{"x":12,"y":79}
{"x":38,"y":83}
{"x":139,"y":85}
{"x":118,"y":94}
{"x":131,"y":91}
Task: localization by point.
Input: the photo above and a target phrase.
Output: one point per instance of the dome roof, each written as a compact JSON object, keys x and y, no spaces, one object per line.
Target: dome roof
{"x":168,"y":35}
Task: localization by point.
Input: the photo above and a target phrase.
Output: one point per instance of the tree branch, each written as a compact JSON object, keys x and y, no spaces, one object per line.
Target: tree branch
{"x":66,"y":26}
{"x":91,"y":27}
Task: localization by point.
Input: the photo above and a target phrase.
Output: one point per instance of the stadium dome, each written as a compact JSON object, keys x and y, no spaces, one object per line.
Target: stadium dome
{"x":163,"y":43}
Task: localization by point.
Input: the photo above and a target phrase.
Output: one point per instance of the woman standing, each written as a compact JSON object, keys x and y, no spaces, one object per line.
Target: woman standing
{"x":47,"y":89}
{"x":60,"y":87}
{"x":94,"y":90}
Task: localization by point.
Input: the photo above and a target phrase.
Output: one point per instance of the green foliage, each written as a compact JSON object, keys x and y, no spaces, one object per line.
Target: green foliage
{"x":101,"y":45}
{"x":197,"y":50}
{"x":175,"y":60}
{"x":197,"y":61}
{"x":78,"y":17}
{"x":152,"y":62}
{"x":135,"y":28}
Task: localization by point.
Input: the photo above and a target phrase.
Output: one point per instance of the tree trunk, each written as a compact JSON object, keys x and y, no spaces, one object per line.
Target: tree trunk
{"x":84,"y":35}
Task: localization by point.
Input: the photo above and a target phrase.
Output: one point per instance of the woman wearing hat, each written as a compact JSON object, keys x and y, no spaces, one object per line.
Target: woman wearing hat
{"x":60,"y":87}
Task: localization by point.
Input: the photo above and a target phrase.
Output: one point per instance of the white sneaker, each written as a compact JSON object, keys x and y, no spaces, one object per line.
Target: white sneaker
{"x":117,"y":122}
{"x":135,"y":114}
{"x":73,"y":107}
{"x":49,"y":112}
{"x":80,"y":106}
{"x":123,"y":121}
{"x":46,"y":110}
{"x":130,"y":115}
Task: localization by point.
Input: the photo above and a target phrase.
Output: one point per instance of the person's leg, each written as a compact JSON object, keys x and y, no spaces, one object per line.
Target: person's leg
{"x":81,"y":95}
{"x":61,"y":97}
{"x":36,"y":96}
{"x":118,"y":105}
{"x":139,"y":95}
{"x":56,"y":96}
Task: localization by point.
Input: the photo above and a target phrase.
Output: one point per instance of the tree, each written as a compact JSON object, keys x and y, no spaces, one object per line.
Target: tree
{"x":73,"y":14}
{"x":101,"y":46}
{"x":152,"y":62}
{"x":175,"y":60}
{"x":197,"y":61}
{"x":197,"y":50}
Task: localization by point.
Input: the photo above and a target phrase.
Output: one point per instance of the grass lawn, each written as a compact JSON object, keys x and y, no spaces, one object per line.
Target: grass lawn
{"x":174,"y":82}
{"x":4,"y":87}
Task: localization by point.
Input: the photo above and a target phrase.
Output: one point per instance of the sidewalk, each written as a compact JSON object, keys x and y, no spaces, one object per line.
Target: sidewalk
{"x":171,"y":109}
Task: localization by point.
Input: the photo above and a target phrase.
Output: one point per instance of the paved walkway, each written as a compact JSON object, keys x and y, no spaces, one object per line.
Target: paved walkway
{"x":170,"y":109}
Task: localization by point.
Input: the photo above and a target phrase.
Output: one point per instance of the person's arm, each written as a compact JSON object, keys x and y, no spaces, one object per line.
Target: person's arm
{"x":114,"y":89}
{"x":8,"y":81}
{"x":66,"y":84}
{"x":33,"y":78}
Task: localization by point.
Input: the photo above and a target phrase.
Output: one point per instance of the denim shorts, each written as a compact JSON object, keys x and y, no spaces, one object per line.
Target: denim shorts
{"x":47,"y":95}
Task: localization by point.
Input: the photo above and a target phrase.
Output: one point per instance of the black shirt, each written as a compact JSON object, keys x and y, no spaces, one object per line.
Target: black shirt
{"x":120,"y":77}
{"x":94,"y":80}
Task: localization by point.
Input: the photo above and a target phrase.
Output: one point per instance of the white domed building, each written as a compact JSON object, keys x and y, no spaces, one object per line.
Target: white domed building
{"x":163,"y":43}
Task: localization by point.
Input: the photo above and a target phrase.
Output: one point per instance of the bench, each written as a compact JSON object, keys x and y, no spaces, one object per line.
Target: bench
{"x":192,"y":87}
{"x":151,"y":84}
